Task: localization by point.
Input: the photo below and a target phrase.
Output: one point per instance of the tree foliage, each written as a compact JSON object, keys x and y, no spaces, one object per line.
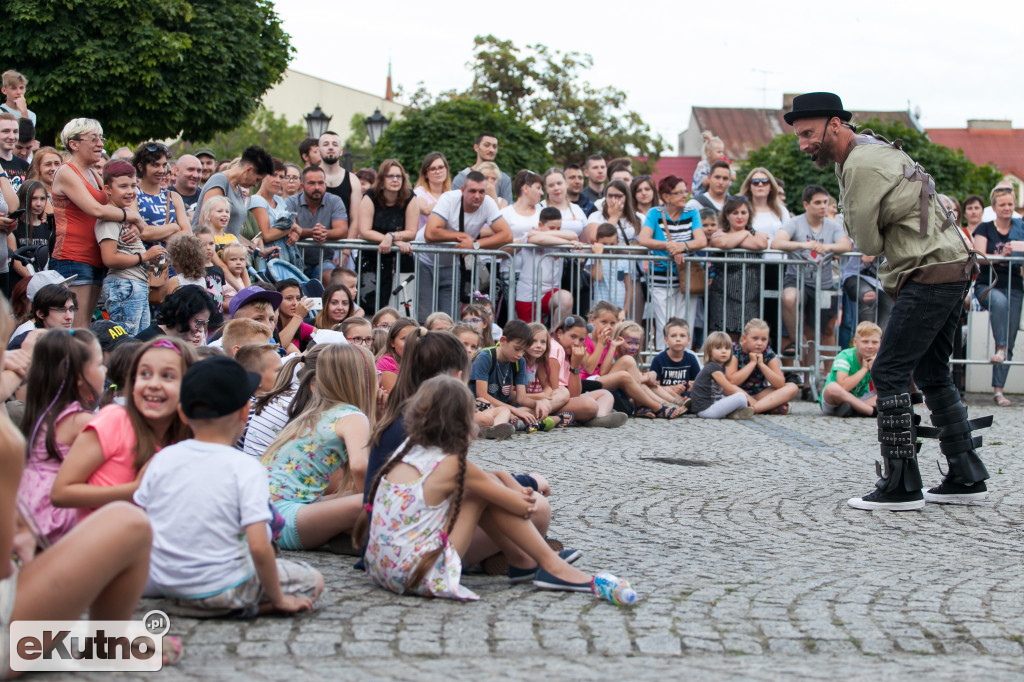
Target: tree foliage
{"x":451,"y":127}
{"x":264,"y":129}
{"x":954,"y":173}
{"x":547,"y":89}
{"x":145,"y":68}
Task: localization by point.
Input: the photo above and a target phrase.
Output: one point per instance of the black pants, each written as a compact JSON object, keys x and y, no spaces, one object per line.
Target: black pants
{"x":918,"y":339}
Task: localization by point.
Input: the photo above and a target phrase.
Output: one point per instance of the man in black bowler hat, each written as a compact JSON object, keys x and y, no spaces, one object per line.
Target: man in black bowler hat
{"x":890,"y":208}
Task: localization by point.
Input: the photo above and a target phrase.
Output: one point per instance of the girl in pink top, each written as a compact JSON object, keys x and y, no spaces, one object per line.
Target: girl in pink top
{"x":66,"y":376}
{"x":387,"y":362}
{"x":108,"y":458}
{"x":604,"y":365}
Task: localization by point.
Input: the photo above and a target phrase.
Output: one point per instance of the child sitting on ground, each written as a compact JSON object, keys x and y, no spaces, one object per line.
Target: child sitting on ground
{"x":848,"y":388}
{"x":542,"y":385}
{"x":241,"y":332}
{"x":262,"y":359}
{"x":476,"y":315}
{"x":713,"y":396}
{"x":632,"y":337}
{"x":620,"y":373}
{"x":494,"y":422}
{"x":756,"y":369}
{"x":676,"y":367}
{"x":590,"y":404}
{"x":421,"y":522}
{"x":499,"y":377}
{"x":439,"y":322}
{"x":208,"y":505}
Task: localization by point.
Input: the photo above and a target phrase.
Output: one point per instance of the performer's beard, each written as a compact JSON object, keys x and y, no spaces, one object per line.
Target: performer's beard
{"x":824,"y":157}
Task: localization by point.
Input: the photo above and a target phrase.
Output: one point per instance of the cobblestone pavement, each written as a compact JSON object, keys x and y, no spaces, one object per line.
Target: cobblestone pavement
{"x":739,"y":542}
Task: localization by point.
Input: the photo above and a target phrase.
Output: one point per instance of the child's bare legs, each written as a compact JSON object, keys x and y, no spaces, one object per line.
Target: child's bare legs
{"x":480,"y":545}
{"x":584,"y":408}
{"x":834,"y":394}
{"x":627,"y":364}
{"x":493,"y":416}
{"x":318,"y":522}
{"x":559,"y":399}
{"x":623,"y":381}
{"x":101,"y":565}
{"x":603,"y":398}
{"x":772,"y":398}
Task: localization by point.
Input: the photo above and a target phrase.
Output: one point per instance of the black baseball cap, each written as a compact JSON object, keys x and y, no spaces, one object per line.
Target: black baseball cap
{"x":216,"y":387}
{"x":110,"y":334}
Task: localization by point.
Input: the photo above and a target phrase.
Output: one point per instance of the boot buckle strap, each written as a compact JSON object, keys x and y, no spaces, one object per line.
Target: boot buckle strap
{"x":895,"y":437}
{"x":899,"y":451}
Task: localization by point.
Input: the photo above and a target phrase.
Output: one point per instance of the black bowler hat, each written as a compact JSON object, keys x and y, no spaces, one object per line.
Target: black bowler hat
{"x":219,"y":384}
{"x":817,"y":105}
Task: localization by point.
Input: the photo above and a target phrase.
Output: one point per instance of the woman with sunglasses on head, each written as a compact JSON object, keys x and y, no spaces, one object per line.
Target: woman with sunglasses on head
{"x":161,"y":208}
{"x":78,"y":201}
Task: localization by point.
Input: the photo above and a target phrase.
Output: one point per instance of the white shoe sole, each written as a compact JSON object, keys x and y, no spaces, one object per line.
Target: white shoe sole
{"x":965,"y":498}
{"x":861,"y":503}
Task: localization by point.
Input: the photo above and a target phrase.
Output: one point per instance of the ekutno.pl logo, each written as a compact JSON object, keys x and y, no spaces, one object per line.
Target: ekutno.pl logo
{"x":89,"y":645}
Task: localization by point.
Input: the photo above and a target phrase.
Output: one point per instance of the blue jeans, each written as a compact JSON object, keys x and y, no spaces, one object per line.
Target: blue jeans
{"x":84,"y":273}
{"x":918,"y":339}
{"x":1004,"y":316}
{"x":127,"y":303}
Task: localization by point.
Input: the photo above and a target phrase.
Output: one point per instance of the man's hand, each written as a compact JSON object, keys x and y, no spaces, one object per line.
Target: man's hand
{"x":464,"y":240}
{"x":319,"y":233}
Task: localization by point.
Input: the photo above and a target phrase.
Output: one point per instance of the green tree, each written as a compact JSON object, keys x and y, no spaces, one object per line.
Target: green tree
{"x":264,"y":129}
{"x":547,"y":89}
{"x":451,"y":127}
{"x":954,"y":173}
{"x":145,"y":68}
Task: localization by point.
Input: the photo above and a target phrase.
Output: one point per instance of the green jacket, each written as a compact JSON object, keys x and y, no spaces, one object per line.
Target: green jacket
{"x":883,"y":191}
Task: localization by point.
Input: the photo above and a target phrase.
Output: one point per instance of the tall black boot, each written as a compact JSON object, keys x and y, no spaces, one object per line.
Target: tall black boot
{"x":964,"y":481}
{"x":899,"y":484}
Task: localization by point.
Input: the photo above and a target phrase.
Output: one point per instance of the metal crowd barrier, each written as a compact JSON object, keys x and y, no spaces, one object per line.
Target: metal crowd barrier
{"x":767,"y":267}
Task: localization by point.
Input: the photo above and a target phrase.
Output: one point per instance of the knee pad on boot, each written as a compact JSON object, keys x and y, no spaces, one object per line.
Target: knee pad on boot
{"x":955,"y":433}
{"x":897,"y":435}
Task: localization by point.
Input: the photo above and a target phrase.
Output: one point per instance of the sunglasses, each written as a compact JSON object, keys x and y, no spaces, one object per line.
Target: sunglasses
{"x":156,"y":147}
{"x":761,"y":181}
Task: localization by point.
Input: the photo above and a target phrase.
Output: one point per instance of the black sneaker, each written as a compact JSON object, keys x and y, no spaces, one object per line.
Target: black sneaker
{"x":949,"y":492}
{"x":898,"y":500}
{"x":844,"y":410}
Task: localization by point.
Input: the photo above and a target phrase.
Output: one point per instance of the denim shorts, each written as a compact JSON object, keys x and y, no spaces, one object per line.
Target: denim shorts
{"x":289,"y":510}
{"x":85,"y":274}
{"x":127,"y":303}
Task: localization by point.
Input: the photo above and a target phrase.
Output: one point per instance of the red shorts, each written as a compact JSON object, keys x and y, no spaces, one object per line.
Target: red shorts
{"x":524,"y":309}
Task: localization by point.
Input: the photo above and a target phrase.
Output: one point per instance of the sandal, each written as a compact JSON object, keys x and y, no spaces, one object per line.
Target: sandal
{"x":781,"y":409}
{"x":669,"y":412}
{"x":1001,"y":400}
{"x":644,"y":413}
{"x":565,"y":419}
{"x":789,"y":351}
{"x":999,"y":357}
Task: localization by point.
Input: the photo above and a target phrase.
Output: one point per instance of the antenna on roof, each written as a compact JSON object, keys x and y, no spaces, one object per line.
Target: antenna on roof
{"x":764,"y":86}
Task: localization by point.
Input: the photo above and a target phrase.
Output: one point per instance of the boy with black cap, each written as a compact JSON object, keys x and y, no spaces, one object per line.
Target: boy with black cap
{"x":890,"y":207}
{"x":208,"y":505}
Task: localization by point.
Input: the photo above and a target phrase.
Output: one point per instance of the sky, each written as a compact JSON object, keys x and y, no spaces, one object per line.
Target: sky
{"x":939,"y":57}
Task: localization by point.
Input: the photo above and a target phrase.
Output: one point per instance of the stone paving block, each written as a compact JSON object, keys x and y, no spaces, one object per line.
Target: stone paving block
{"x":262,"y":649}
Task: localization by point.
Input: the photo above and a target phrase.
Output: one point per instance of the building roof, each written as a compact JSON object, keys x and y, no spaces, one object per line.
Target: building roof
{"x":1003,"y":148}
{"x":681,"y":166}
{"x":743,"y":130}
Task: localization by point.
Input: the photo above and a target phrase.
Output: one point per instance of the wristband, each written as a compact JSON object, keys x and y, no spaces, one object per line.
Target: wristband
{"x":124,"y":215}
{"x":575,"y":371}
{"x":140,"y":258}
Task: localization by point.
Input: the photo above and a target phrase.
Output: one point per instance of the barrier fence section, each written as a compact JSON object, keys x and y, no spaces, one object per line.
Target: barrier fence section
{"x":721,"y":291}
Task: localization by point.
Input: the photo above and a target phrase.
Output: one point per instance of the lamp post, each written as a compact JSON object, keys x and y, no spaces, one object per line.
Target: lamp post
{"x":317,"y":123}
{"x":375,"y":126}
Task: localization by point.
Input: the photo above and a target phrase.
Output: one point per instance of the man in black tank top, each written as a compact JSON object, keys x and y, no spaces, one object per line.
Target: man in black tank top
{"x":341,"y":185}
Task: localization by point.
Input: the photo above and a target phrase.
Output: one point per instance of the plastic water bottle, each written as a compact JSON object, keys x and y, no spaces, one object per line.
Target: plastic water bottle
{"x":615,"y":590}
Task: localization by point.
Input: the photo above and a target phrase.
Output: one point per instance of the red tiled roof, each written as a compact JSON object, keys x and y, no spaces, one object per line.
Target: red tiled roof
{"x":743,"y":130}
{"x":1004,"y":149}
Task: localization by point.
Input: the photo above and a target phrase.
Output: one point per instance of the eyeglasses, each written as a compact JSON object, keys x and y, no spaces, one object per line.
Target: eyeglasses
{"x":199,"y":325}
{"x":382,"y":325}
{"x":94,"y":138}
{"x":361,"y":340}
{"x":156,"y":147}
{"x":761,"y":181}
{"x":437,"y":169}
{"x":681,"y":193}
{"x":69,"y":309}
{"x":473,"y":320}
{"x":395,"y":177}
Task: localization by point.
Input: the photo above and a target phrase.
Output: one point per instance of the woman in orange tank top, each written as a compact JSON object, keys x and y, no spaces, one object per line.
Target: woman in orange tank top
{"x":78,"y":201}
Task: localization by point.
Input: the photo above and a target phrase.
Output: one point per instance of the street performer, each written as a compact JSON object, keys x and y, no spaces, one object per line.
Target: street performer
{"x":890,"y":207}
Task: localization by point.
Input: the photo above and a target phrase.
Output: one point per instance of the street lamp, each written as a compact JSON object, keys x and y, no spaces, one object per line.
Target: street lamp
{"x":375,"y":126}
{"x":317,"y":123}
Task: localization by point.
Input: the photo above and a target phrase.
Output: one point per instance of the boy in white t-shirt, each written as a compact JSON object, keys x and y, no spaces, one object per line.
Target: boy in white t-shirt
{"x":555,"y":303}
{"x":208,"y":504}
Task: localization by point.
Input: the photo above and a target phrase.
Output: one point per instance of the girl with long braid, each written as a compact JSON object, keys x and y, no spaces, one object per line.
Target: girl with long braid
{"x":428,"y":499}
